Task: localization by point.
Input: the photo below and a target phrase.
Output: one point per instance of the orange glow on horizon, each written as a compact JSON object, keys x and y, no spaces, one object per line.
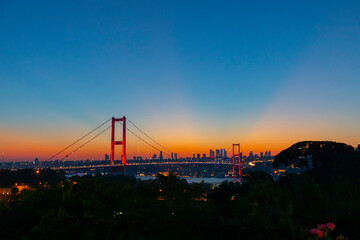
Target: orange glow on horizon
{"x":273,"y":132}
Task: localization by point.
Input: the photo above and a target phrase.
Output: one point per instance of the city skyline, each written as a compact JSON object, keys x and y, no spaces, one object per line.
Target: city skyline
{"x":265,"y":75}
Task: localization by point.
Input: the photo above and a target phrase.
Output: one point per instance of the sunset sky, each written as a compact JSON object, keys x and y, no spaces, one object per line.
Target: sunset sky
{"x":194,"y":75}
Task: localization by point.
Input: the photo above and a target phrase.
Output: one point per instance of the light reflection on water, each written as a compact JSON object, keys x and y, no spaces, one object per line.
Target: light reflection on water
{"x":210,"y":180}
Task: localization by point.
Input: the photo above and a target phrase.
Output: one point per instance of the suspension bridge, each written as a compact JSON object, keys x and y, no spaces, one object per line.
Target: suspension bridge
{"x":141,"y":147}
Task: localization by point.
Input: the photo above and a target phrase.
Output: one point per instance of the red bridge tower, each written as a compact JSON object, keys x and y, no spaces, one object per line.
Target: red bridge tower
{"x":239,"y":158}
{"x":113,"y":142}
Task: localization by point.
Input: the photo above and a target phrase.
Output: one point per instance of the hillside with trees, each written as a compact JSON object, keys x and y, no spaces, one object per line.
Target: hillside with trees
{"x":123,"y":207}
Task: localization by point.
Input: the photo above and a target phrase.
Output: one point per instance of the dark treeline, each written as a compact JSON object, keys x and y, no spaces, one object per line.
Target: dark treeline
{"x":122,"y":207}
{"x":31,"y":177}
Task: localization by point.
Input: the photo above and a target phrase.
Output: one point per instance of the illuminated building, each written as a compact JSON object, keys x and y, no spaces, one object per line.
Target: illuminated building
{"x":212,"y":154}
{"x":223,"y":152}
{"x":218,"y":154}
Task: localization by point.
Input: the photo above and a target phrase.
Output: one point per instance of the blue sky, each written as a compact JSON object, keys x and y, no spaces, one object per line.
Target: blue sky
{"x":222,"y":71}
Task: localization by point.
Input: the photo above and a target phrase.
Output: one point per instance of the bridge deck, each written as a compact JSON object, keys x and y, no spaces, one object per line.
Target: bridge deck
{"x":140,"y":164}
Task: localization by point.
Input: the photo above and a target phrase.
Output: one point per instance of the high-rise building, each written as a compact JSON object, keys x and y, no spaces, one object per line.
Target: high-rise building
{"x":198,"y":156}
{"x":223,"y":152}
{"x":172,"y":155}
{"x":154,"y":157}
{"x":266,"y":153}
{"x":161,"y":155}
{"x":212,"y":154}
{"x":204,"y":155}
{"x":269,"y":153}
{"x":193,"y":155}
{"x":175,"y":155}
{"x":251,"y":154}
{"x":261,"y":154}
{"x":218,"y":154}
{"x":107,"y":157}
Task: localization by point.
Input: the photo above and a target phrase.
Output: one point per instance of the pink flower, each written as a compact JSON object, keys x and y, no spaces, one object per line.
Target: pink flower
{"x":322,"y":227}
{"x":330,"y":226}
{"x":316,"y":231}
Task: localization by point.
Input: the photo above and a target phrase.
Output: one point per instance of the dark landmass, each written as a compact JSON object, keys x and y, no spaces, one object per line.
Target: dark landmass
{"x":123,"y":207}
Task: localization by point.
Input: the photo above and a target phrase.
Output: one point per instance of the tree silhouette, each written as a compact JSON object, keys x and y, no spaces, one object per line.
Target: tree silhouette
{"x":321,"y":155}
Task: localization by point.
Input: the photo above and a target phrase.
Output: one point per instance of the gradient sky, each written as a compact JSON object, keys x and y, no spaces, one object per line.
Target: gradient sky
{"x":194,"y":75}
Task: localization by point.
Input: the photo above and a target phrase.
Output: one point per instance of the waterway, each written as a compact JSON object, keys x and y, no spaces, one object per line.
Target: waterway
{"x":210,"y":180}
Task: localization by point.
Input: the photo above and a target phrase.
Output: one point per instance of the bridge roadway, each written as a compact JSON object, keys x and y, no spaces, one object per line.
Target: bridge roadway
{"x":139,"y":164}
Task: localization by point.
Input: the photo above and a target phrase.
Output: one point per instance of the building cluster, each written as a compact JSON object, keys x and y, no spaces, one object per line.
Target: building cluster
{"x":217,"y":154}
{"x":262,"y":155}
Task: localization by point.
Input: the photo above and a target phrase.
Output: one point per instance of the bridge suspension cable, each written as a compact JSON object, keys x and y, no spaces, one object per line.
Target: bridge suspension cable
{"x":68,"y":155}
{"x":144,"y":140}
{"x":149,"y":136}
{"x":79,"y":139}
{"x":229,"y":148}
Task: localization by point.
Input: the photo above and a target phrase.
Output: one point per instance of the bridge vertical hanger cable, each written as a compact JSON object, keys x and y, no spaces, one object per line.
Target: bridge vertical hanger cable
{"x":144,"y":141}
{"x":229,"y":148}
{"x":68,"y":155}
{"x":149,"y":136}
{"x":79,"y":139}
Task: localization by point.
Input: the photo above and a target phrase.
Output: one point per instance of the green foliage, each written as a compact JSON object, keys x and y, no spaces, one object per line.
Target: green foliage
{"x":322,"y":156}
{"x":31,"y":177}
{"x":122,"y":207}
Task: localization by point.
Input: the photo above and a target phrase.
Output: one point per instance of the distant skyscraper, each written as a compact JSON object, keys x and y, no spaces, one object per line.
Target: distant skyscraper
{"x":223,"y":152}
{"x":154,"y":157}
{"x":204,"y":155}
{"x":161,"y":155}
{"x":218,"y":153}
{"x":172,"y":155}
{"x":175,"y":155}
{"x":251,"y":154}
{"x":269,"y":153}
{"x":212,"y":154}
{"x":107,"y":157}
{"x":261,"y":154}
{"x":193,"y":156}
{"x":266,"y":153}
{"x":198,"y":156}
